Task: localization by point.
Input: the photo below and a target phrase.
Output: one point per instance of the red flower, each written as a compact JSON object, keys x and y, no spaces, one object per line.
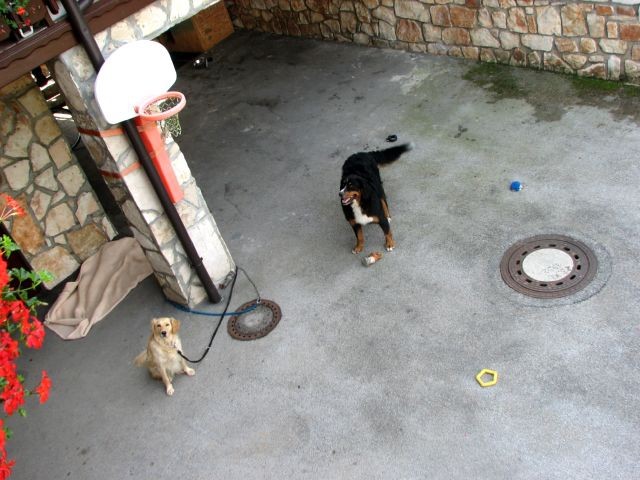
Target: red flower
{"x":8,"y":369}
{"x":21,"y":11}
{"x":15,"y":316}
{"x":5,"y":309}
{"x":4,"y":275}
{"x":12,"y":207}
{"x":13,"y":396}
{"x":3,"y":436}
{"x":9,"y":346}
{"x":3,"y":440}
{"x":5,"y":467}
{"x":20,"y":313}
{"x":43,"y":389}
{"x":35,"y":335}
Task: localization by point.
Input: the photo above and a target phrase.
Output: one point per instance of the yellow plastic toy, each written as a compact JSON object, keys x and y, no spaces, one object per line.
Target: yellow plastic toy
{"x":488,"y":383}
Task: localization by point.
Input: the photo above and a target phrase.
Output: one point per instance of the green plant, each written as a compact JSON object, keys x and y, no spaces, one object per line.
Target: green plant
{"x":18,"y":327}
{"x":11,"y":8}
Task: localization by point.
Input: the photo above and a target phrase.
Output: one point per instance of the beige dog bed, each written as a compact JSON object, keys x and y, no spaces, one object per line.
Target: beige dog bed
{"x":104,"y":280}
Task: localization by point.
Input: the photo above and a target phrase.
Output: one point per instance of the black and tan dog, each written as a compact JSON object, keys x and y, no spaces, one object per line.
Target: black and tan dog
{"x":362,"y":195}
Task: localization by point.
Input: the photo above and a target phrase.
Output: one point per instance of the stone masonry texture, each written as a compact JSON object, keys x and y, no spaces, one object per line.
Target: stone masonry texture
{"x":595,"y":38}
{"x":63,"y":223}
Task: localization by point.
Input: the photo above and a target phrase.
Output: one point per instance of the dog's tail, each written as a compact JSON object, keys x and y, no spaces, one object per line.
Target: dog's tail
{"x":383,"y":157}
{"x":141,"y":359}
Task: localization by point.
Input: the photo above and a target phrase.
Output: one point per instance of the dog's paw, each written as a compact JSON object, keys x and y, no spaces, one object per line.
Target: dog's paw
{"x":389,"y":246}
{"x":190,"y":371}
{"x":356,"y":250}
{"x":170,"y":390}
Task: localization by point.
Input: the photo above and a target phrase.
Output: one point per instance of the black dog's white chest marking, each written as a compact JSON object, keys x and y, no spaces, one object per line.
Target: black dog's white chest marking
{"x":359,"y":215}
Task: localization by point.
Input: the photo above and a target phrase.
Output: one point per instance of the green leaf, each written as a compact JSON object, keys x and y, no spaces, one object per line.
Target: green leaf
{"x":33,"y":302}
{"x":22,"y":412}
{"x":8,"y":295}
{"x":45,"y":275}
{"x":10,"y":327}
{"x":7,"y":245}
{"x":21,"y":274}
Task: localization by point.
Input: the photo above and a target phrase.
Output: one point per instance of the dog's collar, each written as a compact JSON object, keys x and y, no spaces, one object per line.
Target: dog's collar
{"x":169,"y":345}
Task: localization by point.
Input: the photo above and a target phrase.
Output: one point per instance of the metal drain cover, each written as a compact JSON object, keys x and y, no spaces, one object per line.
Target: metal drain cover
{"x":548,"y":266}
{"x":257,"y":323}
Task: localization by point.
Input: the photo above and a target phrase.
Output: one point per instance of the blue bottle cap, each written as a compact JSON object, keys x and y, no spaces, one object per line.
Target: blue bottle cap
{"x":516,"y":186}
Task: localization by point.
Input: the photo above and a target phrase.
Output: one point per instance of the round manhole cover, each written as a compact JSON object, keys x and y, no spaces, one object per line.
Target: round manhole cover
{"x":256,"y":323}
{"x":548,"y":266}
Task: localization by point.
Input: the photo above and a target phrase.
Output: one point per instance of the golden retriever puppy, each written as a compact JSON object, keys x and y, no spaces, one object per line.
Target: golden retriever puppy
{"x":161,"y":356}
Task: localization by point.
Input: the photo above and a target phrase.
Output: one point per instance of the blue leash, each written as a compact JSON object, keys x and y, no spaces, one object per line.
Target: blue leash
{"x":221,"y":315}
{"x":212,"y":314}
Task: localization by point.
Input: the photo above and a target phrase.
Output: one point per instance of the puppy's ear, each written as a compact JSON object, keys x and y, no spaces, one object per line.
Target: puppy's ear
{"x":175,"y":325}
{"x":153,"y":324}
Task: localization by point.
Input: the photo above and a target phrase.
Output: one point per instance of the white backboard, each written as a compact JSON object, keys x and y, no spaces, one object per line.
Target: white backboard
{"x":132,"y":74}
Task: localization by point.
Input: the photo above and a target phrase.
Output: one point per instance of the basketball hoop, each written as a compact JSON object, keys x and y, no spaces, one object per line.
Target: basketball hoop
{"x":161,"y":107}
{"x":133,"y":83}
{"x":164,"y":109}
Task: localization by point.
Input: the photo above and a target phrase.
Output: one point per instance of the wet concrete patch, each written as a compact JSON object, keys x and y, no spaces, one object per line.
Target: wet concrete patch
{"x":561,"y":91}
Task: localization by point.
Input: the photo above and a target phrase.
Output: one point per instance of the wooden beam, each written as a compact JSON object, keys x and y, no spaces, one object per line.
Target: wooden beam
{"x":21,"y":57}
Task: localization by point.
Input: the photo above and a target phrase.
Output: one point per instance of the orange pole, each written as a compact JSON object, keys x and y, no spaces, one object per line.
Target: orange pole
{"x":153,"y":142}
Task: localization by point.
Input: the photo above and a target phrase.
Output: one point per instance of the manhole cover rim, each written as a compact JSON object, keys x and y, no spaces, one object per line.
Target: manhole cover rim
{"x":276,"y":313}
{"x":583,"y":272}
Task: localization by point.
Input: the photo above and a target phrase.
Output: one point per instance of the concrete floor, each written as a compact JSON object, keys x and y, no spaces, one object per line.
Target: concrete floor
{"x":370,"y":374}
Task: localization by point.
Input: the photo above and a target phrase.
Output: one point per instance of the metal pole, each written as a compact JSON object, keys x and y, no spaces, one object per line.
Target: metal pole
{"x":82,"y":32}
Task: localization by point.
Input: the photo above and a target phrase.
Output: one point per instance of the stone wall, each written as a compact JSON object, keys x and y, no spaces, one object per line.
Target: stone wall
{"x":64,"y":223}
{"x":594,"y":38}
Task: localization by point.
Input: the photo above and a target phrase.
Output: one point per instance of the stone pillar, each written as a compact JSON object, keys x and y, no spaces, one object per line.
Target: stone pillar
{"x":121,"y":170}
{"x":63,"y":223}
